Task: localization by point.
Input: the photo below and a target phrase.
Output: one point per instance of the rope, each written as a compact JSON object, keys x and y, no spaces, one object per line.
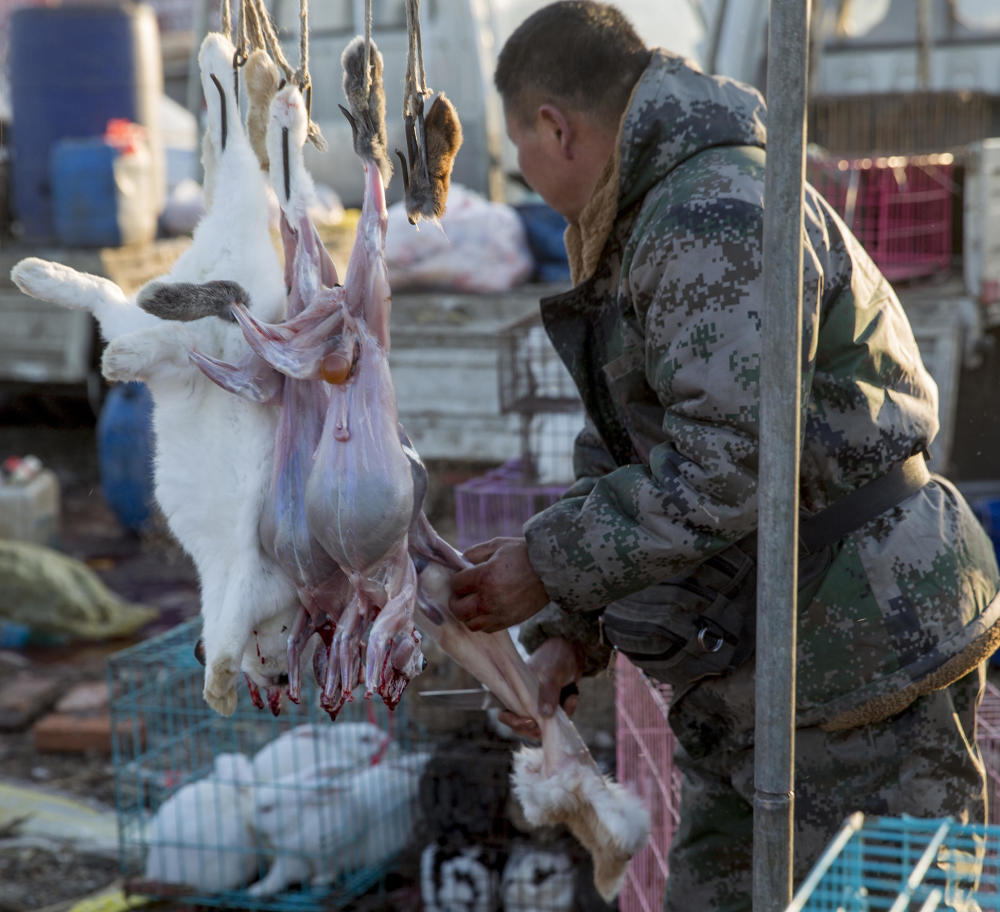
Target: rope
{"x":302,"y":73}
{"x":254,"y":32}
{"x":242,"y":51}
{"x":416,"y":79}
{"x":226,"y":20}
{"x":270,"y":36}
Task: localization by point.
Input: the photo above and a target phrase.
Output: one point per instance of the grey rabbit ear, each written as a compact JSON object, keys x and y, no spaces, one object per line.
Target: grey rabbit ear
{"x":185,"y":301}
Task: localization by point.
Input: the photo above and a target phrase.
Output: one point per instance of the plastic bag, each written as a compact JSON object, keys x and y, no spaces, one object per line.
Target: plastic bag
{"x":53,"y":593}
{"x":479,"y":246}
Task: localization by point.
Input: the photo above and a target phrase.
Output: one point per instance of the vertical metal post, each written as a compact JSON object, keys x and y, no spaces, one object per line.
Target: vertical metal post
{"x":780,"y":393}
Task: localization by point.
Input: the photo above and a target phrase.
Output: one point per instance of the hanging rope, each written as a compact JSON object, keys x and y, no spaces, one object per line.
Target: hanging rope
{"x":226,"y":20}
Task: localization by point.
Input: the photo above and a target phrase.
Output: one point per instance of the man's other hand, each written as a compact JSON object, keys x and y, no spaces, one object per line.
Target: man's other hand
{"x":502,"y":588}
{"x":556,"y":664}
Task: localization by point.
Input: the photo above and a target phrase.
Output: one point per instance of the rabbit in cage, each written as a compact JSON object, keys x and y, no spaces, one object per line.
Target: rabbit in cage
{"x":336,"y":748}
{"x":319,"y":825}
{"x":200,"y":836}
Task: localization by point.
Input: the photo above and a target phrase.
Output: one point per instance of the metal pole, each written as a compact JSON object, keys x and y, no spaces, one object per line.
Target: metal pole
{"x":780,"y":394}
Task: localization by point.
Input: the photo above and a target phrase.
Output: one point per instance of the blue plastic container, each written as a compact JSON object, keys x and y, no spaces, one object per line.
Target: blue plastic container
{"x":84,"y":198}
{"x":125,"y":453}
{"x":71,"y":70}
{"x":988,"y":513}
{"x":544,"y":228}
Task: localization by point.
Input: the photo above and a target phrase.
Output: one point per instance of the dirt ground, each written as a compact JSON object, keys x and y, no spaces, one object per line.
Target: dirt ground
{"x":36,"y":872}
{"x":42,"y":873}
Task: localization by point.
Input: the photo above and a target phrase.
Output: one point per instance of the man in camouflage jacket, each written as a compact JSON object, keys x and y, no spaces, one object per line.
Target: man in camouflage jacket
{"x":651,"y":549}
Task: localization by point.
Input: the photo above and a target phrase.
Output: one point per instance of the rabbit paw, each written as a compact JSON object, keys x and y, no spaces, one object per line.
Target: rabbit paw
{"x":44,"y":280}
{"x":220,"y":687}
{"x":135,"y":355}
{"x":122,"y":361}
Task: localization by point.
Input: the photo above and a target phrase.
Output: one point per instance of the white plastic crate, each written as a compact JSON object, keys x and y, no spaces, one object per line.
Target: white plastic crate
{"x":645,"y":746}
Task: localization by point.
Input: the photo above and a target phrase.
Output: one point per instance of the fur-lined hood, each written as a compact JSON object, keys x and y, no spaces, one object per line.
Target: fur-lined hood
{"x":675,"y":112}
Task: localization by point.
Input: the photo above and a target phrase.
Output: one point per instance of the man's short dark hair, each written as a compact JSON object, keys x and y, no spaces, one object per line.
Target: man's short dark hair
{"x":583,"y":54}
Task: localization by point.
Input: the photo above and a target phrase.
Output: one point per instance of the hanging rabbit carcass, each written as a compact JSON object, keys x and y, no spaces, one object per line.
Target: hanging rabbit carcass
{"x":213,"y":450}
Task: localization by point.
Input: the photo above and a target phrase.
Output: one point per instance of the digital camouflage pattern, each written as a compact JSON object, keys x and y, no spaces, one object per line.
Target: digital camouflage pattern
{"x":922,"y":761}
{"x":663,"y":341}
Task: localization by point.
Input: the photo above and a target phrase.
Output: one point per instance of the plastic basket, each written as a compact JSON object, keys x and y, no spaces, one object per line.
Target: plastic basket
{"x":499,"y":503}
{"x":904,"y":864}
{"x":645,"y":746}
{"x":899,"y":208}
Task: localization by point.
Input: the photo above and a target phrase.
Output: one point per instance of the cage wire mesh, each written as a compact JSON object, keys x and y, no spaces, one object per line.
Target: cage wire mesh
{"x":908,"y":123}
{"x":904,"y":864}
{"x":645,"y":749}
{"x":410,"y":810}
{"x":535,"y":385}
{"x":645,"y":752}
{"x":899,"y":208}
{"x":498,"y":503}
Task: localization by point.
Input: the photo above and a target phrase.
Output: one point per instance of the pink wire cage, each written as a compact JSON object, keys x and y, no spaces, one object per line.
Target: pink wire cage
{"x":645,"y":748}
{"x":899,"y":208}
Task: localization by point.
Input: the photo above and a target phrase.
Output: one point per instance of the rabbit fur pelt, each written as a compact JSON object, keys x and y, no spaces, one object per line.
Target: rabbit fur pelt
{"x":213,"y":449}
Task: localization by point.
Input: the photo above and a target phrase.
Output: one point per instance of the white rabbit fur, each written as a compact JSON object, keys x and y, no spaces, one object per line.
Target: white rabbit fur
{"x":320,"y":826}
{"x":336,"y":748}
{"x":201,"y":836}
{"x":213,"y":449}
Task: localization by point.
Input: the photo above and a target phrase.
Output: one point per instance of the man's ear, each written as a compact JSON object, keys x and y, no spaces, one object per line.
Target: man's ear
{"x":556,"y":127}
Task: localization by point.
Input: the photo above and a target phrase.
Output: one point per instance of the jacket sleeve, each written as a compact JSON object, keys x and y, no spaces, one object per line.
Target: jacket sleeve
{"x":591,"y":461}
{"x":696,"y":289}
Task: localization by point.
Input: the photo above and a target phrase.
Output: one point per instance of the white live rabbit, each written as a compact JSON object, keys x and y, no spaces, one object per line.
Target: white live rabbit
{"x":213,"y":449}
{"x":201,"y":836}
{"x":321,"y":826}
{"x":336,"y":748}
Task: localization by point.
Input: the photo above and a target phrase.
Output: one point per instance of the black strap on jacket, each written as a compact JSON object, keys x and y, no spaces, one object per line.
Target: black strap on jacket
{"x":863,"y":504}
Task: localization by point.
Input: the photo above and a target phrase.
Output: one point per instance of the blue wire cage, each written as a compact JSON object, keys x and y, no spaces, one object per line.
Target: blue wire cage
{"x":177,"y":802}
{"x":905,"y":864}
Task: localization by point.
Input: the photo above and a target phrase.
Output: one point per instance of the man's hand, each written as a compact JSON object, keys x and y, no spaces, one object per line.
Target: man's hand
{"x":500,"y":590}
{"x":556,"y":663}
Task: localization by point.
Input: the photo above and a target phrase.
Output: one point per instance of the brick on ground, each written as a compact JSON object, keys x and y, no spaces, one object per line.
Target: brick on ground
{"x":24,"y":697}
{"x":81,"y":722}
{"x":68,"y":733}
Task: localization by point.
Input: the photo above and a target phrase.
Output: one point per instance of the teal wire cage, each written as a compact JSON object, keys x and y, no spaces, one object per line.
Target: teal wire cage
{"x":905,"y":864}
{"x":209,"y":806}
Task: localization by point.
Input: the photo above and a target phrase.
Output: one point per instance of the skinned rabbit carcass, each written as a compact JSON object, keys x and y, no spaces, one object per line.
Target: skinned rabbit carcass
{"x":363,"y":488}
{"x":297,"y":354}
{"x":213,"y":450}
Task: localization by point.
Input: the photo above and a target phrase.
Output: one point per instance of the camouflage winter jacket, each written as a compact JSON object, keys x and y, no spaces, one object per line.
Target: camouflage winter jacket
{"x":662,"y":335}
